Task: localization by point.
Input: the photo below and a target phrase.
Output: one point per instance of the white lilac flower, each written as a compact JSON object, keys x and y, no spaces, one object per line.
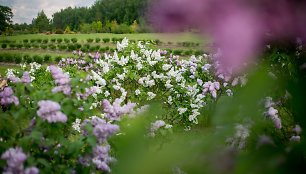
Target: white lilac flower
{"x":181,"y":110}
{"x":295,"y":138}
{"x":123,"y":44}
{"x":269,"y":102}
{"x":155,"y":126}
{"x":151,"y":95}
{"x":166,"y":67}
{"x":229,"y":92}
{"x":76,"y":125}
{"x":297,"y":129}
{"x":137,"y":92}
{"x":170,"y":100}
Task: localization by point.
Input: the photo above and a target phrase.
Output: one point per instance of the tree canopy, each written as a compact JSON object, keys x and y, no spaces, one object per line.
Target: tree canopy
{"x":6,"y":16}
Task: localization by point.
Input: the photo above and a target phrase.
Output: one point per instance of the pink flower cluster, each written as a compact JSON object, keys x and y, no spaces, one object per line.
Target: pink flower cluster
{"x":115,"y":112}
{"x":7,"y":97}
{"x":50,"y":111}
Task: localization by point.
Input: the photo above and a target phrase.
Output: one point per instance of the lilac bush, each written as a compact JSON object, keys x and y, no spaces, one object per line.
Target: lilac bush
{"x":50,"y":111}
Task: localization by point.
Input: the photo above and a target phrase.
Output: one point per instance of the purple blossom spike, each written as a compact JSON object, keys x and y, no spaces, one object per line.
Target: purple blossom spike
{"x":7,"y":97}
{"x":26,"y":77}
{"x":14,"y":158}
{"x":50,"y":111}
{"x":61,"y":79}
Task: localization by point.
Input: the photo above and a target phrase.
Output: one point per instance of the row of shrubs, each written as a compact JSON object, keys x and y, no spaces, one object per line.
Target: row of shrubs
{"x":19,"y":58}
{"x":62,"y":47}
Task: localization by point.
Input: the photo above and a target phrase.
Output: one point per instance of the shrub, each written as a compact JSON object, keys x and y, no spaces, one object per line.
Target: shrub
{"x":43,"y":47}
{"x":106,"y":40}
{"x":12,"y":46}
{"x":45,"y":41}
{"x":78,"y":46}
{"x":4,"y":45}
{"x":27,"y":46}
{"x":177,"y":52}
{"x":1,"y":57}
{"x":188,"y":52}
{"x":67,"y":40}
{"x":18,"y":58}
{"x":169,"y":43}
{"x":35,"y":46}
{"x":25,"y":41}
{"x":114,"y":40}
{"x":121,"y":29}
{"x":98,"y":40}
{"x":71,"y":47}
{"x":27,"y":59}
{"x":62,"y":47}
{"x":52,"y":47}
{"x":38,"y":59}
{"x":83,"y":49}
{"x":53,"y":40}
{"x":19,"y":46}
{"x":74,"y":40}
{"x":198,"y":52}
{"x":107,"y":48}
{"x":8,"y":58}
{"x":58,"y":58}
{"x":157,"y":41}
{"x":59,"y":40}
{"x":32,"y":40}
{"x":102,"y":50}
{"x":87,"y":46}
{"x":47,"y":58}
{"x":92,"y":49}
{"x":111,"y":50}
{"x":89,"y":40}
{"x":39,"y":40}
{"x":98,"y":47}
{"x":59,"y":31}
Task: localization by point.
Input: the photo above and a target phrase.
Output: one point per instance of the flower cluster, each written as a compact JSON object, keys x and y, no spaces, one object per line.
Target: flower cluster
{"x":24,"y":79}
{"x":15,"y":157}
{"x":116,"y":111}
{"x":50,"y":111}
{"x":211,"y":87}
{"x":297,"y":129}
{"x":272,"y":112}
{"x":155,"y":126}
{"x":7,"y":97}
{"x":102,"y":130}
{"x":61,"y":79}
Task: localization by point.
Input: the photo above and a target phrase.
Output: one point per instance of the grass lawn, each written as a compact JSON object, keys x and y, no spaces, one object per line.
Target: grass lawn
{"x":164,"y":37}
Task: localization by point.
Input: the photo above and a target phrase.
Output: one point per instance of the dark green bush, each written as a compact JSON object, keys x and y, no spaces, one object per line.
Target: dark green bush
{"x":17,"y":58}
{"x":52,"y":47}
{"x":177,"y":52}
{"x":89,"y":40}
{"x":12,"y":46}
{"x":47,"y":58}
{"x":35,"y":46}
{"x":157,"y":41}
{"x":27,"y":46}
{"x":198,"y":52}
{"x":71,"y":47}
{"x":43,"y":47}
{"x":98,"y":47}
{"x":67,"y":40}
{"x":59,"y":40}
{"x":53,"y":40}
{"x":4,"y":45}
{"x":1,"y":57}
{"x":107,"y":48}
{"x":9,"y":58}
{"x":114,"y":40}
{"x":169,"y":43}
{"x":58,"y":58}
{"x":78,"y":46}
{"x":102,"y":50}
{"x":74,"y":40}
{"x":92,"y":49}
{"x":106,"y":40}
{"x":45,"y":41}
{"x":62,"y":47}
{"x":32,"y":40}
{"x":111,"y":50}
{"x":39,"y":40}
{"x":98,"y":40}
{"x":27,"y":59}
{"x":83,"y":49}
{"x":38,"y":59}
{"x":87,"y":46}
{"x":25,"y":41}
{"x":187,"y":52}
{"x":19,"y":46}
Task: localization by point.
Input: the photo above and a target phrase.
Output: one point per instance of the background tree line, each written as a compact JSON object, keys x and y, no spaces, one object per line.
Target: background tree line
{"x":117,"y":16}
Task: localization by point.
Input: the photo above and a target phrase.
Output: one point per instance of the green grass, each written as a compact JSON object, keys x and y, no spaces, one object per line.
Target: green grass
{"x":82,"y":38}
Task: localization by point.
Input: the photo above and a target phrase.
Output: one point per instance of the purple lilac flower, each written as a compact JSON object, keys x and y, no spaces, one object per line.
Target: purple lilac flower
{"x":101,"y":158}
{"x":61,"y":79}
{"x":50,"y":111}
{"x":15,"y":79}
{"x":115,"y":112}
{"x":211,"y":87}
{"x":31,"y":170}
{"x":26,"y":77}
{"x":155,"y":126}
{"x":14,"y":158}
{"x":7,"y":97}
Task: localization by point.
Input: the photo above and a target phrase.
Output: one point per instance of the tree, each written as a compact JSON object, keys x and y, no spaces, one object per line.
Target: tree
{"x":42,"y":23}
{"x":67,"y":30}
{"x":6,"y":16}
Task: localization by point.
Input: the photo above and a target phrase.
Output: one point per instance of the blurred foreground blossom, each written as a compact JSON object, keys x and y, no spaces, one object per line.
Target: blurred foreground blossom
{"x":238,"y":27}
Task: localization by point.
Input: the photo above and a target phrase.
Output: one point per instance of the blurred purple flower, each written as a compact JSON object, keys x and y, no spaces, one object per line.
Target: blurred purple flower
{"x":14,"y":158}
{"x":238,"y":27}
{"x":115,"y":111}
{"x":62,"y":79}
{"x":7,"y":97}
{"x":26,"y":77}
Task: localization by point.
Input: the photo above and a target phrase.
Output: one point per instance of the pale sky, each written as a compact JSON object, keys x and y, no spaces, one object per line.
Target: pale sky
{"x":26,"y":10}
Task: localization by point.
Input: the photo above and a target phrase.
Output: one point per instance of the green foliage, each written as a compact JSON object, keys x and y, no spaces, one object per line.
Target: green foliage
{"x":6,"y":16}
{"x":17,"y":58}
{"x":9,"y":58}
{"x":67,"y":40}
{"x":59,"y":40}
{"x":43,"y":47}
{"x":97,"y":40}
{"x":41,"y":22}
{"x":3,"y":45}
{"x":39,"y":40}
{"x":38,"y":59}
{"x":106,"y":40}
{"x":53,"y":40}
{"x":32,"y":40}
{"x":85,"y":28}
{"x":45,"y":41}
{"x":121,"y":29}
{"x":19,"y":46}
{"x":58,"y":58}
{"x":47,"y":58}
{"x":74,"y":40}
{"x":25,"y":40}
{"x":89,"y":40}
{"x":59,"y":31}
{"x":27,"y":59}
